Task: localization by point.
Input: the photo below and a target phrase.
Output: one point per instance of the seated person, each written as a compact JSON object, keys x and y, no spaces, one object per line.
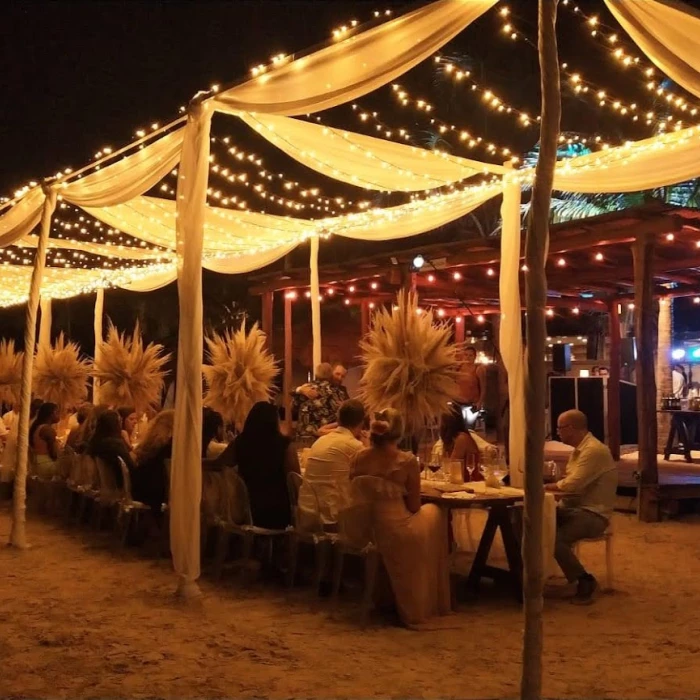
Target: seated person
{"x":456,"y":442}
{"x":42,"y":440}
{"x":212,"y":433}
{"x":149,"y":478}
{"x":264,"y":457}
{"x":75,"y":437}
{"x":591,"y":478}
{"x":328,"y":465}
{"x":107,"y":444}
{"x":129,"y":421}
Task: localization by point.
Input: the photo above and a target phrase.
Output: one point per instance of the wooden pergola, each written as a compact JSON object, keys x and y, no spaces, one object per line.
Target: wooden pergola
{"x":635,"y":256}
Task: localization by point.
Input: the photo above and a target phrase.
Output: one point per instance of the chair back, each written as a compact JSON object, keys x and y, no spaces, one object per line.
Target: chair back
{"x":294,"y":482}
{"x":126,"y":481}
{"x":107,"y":483}
{"x":239,"y":500}
{"x":67,"y":462}
{"x":88,"y":475}
{"x":356,"y":522}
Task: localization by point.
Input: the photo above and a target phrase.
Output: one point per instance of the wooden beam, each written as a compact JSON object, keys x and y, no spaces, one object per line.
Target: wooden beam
{"x":648,"y":506}
{"x":364,"y":317}
{"x":268,"y":301}
{"x":614,"y":381}
{"x":459,"y":328}
{"x":288,"y":377}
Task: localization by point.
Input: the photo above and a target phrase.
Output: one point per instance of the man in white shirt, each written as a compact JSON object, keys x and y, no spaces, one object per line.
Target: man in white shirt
{"x":326,"y":477}
{"x":591,"y":479}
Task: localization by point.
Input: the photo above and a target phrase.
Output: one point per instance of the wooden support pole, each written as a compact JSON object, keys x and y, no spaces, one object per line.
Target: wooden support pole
{"x":664,"y":367}
{"x":287,"y":381}
{"x":268,"y":305}
{"x":614,"y":381}
{"x":459,"y":329}
{"x":536,"y":245}
{"x":364,"y":318}
{"x":648,"y":504}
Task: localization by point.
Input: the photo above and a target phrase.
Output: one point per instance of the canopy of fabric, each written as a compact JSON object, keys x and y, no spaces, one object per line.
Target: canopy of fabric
{"x":668,"y":32}
{"x":362,"y":160}
{"x":354,"y":67}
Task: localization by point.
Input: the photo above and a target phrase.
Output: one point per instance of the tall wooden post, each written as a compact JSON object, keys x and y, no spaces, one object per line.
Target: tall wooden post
{"x":287,"y":381}
{"x":459,"y":329}
{"x":643,"y":255}
{"x":364,"y":318}
{"x":664,"y":370}
{"x":614,"y":380}
{"x":268,"y":305}
{"x":536,"y":246}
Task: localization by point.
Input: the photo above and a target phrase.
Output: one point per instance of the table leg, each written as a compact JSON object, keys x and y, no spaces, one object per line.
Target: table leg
{"x":482,"y":553}
{"x":671,"y":438}
{"x":685,"y":436}
{"x":513,"y":555}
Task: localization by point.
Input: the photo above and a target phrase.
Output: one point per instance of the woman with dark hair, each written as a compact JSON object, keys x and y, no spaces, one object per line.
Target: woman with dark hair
{"x":411,"y":538}
{"x":128,"y":419}
{"x":264,"y":458}
{"x":42,"y":440}
{"x":108,"y":445}
{"x":212,"y":433}
{"x":150,"y":476}
{"x":457,"y":443}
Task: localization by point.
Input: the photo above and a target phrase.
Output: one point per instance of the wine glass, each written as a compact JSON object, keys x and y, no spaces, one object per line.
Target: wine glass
{"x":470,"y":463}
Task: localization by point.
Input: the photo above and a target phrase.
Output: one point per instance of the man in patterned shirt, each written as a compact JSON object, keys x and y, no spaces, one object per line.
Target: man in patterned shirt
{"x":317,"y":404}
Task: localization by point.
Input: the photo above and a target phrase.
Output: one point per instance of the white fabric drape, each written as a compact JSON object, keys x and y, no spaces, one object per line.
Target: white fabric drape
{"x":186,"y":470}
{"x":362,"y":160}
{"x":511,"y":335}
{"x":18,"y":536}
{"x":20,"y":219}
{"x":129,"y":177}
{"x":668,"y":32}
{"x":315,"y":303}
{"x":353,"y":67}
{"x":98,"y":327}
{"x":45,"y":322}
{"x":120,"y":252}
{"x":409,"y":219}
{"x":154,"y":281}
{"x":655,"y":162}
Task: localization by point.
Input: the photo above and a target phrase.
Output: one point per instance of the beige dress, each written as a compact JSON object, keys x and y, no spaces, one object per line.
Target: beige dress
{"x":413,"y":546}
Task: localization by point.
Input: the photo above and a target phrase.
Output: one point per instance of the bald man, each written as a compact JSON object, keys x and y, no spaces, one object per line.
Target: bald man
{"x":591,"y":479}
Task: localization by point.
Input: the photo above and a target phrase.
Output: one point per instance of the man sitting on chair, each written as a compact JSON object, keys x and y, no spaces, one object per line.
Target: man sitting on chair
{"x":591,"y":479}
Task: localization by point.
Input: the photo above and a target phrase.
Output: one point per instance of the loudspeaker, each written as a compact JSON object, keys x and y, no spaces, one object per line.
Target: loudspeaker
{"x":562,"y":397}
{"x":561,"y":358}
{"x":628,"y":351}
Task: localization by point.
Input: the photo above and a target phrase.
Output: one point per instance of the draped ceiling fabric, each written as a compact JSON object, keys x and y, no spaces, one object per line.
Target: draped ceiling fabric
{"x":642,"y":165}
{"x":364,"y":161}
{"x":355,"y":66}
{"x":127,"y":178}
{"x":121,"y":252}
{"x":20,"y":219}
{"x":668,"y":32}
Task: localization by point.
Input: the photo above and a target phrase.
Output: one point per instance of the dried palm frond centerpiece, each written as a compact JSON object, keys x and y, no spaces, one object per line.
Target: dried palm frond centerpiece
{"x":409,"y":363}
{"x":239,"y":374}
{"x":129,"y":373}
{"x":61,"y":374}
{"x":10,"y":372}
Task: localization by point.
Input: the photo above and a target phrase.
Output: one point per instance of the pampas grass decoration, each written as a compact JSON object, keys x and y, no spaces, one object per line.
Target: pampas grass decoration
{"x":10,"y":372}
{"x":409,"y":364}
{"x":129,"y":373}
{"x":60,"y":374}
{"x":240,"y":372}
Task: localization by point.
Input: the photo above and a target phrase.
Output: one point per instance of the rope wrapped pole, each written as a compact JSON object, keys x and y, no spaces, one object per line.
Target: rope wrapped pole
{"x":98,"y":327}
{"x":315,"y":304}
{"x":536,"y":247}
{"x":18,"y":535}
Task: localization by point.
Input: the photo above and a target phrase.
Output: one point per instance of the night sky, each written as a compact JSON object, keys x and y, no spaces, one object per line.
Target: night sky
{"x":78,"y":76}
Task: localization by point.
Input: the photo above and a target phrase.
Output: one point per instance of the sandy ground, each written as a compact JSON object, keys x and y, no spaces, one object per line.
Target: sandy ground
{"x":78,"y":619}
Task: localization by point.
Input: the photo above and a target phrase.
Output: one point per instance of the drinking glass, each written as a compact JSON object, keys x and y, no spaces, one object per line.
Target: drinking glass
{"x":470,"y":463}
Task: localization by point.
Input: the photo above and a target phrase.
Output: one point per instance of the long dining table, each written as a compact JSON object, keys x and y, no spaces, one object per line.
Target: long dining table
{"x":501,"y":504}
